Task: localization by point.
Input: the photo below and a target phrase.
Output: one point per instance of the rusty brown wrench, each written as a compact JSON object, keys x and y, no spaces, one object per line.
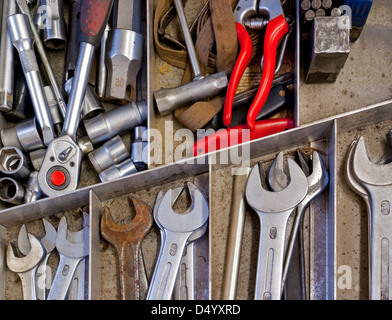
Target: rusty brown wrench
{"x":127,"y":239}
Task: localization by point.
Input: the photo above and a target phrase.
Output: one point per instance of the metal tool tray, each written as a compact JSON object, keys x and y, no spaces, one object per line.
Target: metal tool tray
{"x":325,"y":135}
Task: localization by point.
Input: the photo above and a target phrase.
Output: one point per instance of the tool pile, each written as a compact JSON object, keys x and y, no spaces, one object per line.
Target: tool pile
{"x":43,"y":147}
{"x":73,"y":248}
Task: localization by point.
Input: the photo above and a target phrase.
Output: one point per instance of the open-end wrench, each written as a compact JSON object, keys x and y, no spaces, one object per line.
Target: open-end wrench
{"x":274,"y":209}
{"x":127,"y":240}
{"x":60,"y":170}
{"x":317,"y":182}
{"x":48,"y":241}
{"x":184,"y":287}
{"x":26,"y":266}
{"x":377,"y":181}
{"x":178,"y":229}
{"x":71,"y":253}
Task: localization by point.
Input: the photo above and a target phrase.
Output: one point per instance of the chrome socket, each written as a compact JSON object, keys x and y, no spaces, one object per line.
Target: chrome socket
{"x":11,"y":191}
{"x":13,"y":163}
{"x":91,"y":106}
{"x":139,"y":148}
{"x":112,"y":152}
{"x":116,"y":121}
{"x":24,"y":136}
{"x":50,"y":18}
{"x":116,"y":171}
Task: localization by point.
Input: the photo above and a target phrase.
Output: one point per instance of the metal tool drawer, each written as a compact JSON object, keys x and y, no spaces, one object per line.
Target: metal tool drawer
{"x":338,"y":232}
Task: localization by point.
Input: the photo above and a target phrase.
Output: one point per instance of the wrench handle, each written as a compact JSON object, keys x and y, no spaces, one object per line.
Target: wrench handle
{"x":166,"y":269}
{"x":63,"y":278}
{"x":271,"y":255}
{"x":276,"y":29}
{"x":129,"y":270}
{"x":94,"y":15}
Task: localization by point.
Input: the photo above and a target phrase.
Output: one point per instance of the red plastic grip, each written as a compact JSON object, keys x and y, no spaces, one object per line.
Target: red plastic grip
{"x":231,"y":136}
{"x":246,"y":50}
{"x":276,"y":29}
{"x":93,"y":16}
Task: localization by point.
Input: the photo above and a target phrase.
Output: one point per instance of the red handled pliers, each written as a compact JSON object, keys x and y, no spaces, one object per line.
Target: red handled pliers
{"x":277,"y":27}
{"x":228,"y":137}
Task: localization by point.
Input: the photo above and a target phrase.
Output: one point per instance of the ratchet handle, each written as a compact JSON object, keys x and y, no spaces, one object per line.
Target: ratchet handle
{"x":224,"y":138}
{"x":244,"y":56}
{"x":94,"y":15}
{"x":275,"y":31}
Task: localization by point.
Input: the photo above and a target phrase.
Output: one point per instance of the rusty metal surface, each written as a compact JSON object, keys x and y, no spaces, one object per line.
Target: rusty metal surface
{"x":127,"y":239}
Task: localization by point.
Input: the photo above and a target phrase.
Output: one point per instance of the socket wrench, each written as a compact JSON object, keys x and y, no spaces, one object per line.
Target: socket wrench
{"x":7,"y":59}
{"x":22,"y":39}
{"x":60,"y":169}
{"x":125,"y":50}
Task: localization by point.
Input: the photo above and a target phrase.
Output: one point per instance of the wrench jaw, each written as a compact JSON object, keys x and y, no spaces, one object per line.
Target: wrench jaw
{"x":367,"y":172}
{"x":78,"y":249}
{"x":29,"y":261}
{"x":261,"y":199}
{"x":199,"y":205}
{"x":140,"y":224}
{"x":60,"y":170}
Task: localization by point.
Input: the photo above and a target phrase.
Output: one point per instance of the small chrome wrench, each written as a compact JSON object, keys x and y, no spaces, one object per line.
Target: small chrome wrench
{"x":178,"y":229}
{"x":26,"y":267}
{"x":317,"y":182}
{"x":71,"y":253}
{"x":377,"y":181}
{"x":48,"y":241}
{"x":127,"y":240}
{"x":274,"y":209}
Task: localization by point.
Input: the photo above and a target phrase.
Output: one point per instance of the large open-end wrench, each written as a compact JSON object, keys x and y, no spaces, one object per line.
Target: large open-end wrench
{"x":317,"y":182}
{"x":274,"y":209}
{"x":184,"y":287}
{"x":60,"y":170}
{"x":377,"y":181}
{"x":127,"y":240}
{"x":26,"y":266}
{"x":71,"y":253}
{"x":178,"y":229}
{"x":49,"y":243}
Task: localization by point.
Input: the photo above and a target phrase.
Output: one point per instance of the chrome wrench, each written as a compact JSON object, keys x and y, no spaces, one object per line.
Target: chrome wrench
{"x":317,"y":182}
{"x":178,"y":229}
{"x":377,"y":181}
{"x":274,"y":209}
{"x":71,"y":253}
{"x":48,"y":241}
{"x":26,"y":266}
{"x":60,"y":170}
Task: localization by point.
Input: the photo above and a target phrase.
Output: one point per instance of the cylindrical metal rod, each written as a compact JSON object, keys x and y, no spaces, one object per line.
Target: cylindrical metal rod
{"x":234,"y":242}
{"x":76,"y":97}
{"x":188,"y":40}
{"x":24,"y":8}
{"x":7,"y":59}
{"x":22,"y":39}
